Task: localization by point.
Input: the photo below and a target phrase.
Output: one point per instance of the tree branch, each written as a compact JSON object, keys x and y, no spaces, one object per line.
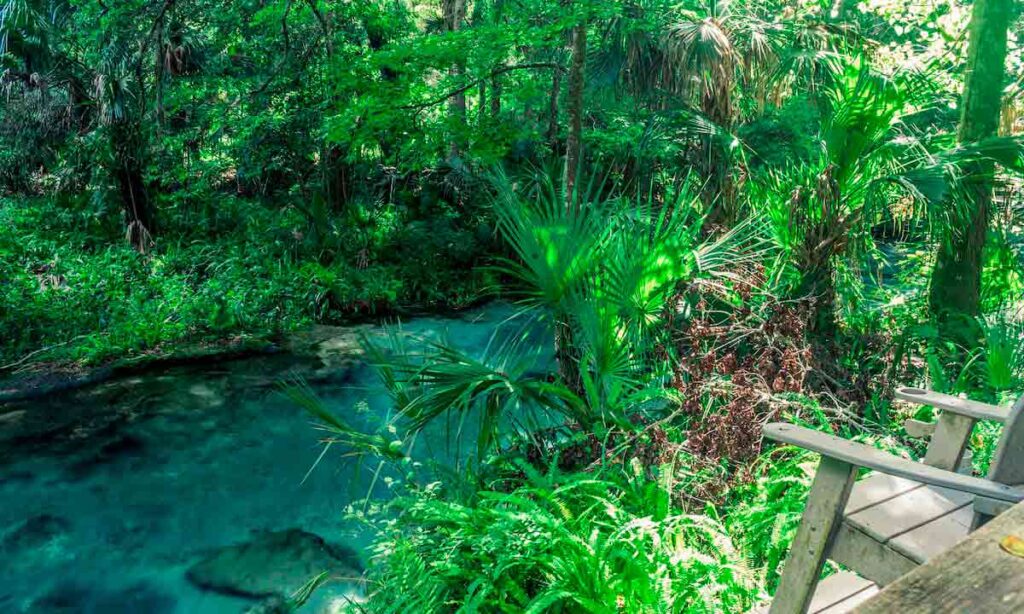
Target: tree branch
{"x":504,"y":69}
{"x":323,"y":26}
{"x":156,"y":24}
{"x":274,"y":73}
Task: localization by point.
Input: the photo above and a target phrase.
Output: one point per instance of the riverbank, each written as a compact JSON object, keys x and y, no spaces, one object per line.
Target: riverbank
{"x":26,"y":379}
{"x":74,"y":296}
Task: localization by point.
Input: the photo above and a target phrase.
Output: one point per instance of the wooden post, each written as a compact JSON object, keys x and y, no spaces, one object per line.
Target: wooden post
{"x":949,"y":441}
{"x":821,"y":520}
{"x":1007,"y":462}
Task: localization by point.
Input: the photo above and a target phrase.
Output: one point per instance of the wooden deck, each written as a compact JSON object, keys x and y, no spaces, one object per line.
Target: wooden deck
{"x":906,"y":515}
{"x":842,"y":592}
{"x":895,"y":523}
{"x":974,"y":576}
{"x":839,"y":593}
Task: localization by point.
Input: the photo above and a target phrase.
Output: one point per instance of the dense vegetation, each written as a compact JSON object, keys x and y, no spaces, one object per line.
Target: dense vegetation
{"x":709,"y":215}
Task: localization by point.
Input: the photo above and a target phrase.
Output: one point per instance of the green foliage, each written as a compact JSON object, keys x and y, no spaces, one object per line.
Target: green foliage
{"x":557,"y":543}
{"x":73,"y":289}
{"x":762,"y":191}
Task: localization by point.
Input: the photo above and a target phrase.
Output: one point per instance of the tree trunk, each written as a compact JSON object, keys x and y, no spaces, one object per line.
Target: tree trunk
{"x":337,"y":177}
{"x":454,"y":15}
{"x":719,"y":193}
{"x":568,"y":357}
{"x":138,"y":213}
{"x":574,"y":141}
{"x":499,"y":13}
{"x":495,"y":96}
{"x":482,"y":105}
{"x":556,"y":91}
{"x":819,"y":286}
{"x":956,"y":281}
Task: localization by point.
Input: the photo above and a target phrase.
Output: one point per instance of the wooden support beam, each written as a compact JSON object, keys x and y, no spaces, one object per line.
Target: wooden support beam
{"x":949,"y":441}
{"x":822,"y":517}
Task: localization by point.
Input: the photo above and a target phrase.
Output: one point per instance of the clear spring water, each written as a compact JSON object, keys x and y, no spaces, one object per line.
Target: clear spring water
{"x":109,"y":493}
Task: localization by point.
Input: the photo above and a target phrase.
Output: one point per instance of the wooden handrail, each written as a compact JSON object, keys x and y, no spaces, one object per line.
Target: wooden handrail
{"x":947,"y":402}
{"x":866,"y":456}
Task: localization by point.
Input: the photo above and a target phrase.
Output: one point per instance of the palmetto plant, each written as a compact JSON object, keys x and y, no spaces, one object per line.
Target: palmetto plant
{"x":106,"y":82}
{"x":597,"y":279}
{"x":604,"y":273}
{"x":25,"y":28}
{"x":873,"y":158}
{"x":31,"y":42}
{"x":1003,"y":354}
{"x":699,"y":59}
{"x":704,"y":45}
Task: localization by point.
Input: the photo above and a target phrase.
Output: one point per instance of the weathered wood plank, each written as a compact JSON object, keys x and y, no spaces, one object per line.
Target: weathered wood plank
{"x":918,"y":428}
{"x":851,"y":602}
{"x":822,"y":517}
{"x":836,"y":589}
{"x":876,"y":488}
{"x":869,"y":558}
{"x":930,"y":540}
{"x":946,"y":402}
{"x":1008,"y":460}
{"x":974,"y":576}
{"x":866,"y":456}
{"x":906,"y":512}
{"x":991,"y":507}
{"x":947,"y":445}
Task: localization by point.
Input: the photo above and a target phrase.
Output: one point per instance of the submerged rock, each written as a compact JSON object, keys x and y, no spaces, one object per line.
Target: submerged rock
{"x":65,"y":596}
{"x":81,"y":598}
{"x":11,"y":418}
{"x":273,"y":563}
{"x":336,"y":349}
{"x":34,"y":533}
{"x":120,"y":447}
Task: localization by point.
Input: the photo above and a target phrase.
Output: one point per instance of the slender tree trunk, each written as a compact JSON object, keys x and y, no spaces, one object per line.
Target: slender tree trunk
{"x":161,"y":51}
{"x":495,"y":96}
{"x":574,"y":140}
{"x":378,"y":37}
{"x":956,"y":281}
{"x":499,"y":12}
{"x":719,"y":192}
{"x":454,"y":15}
{"x":566,"y":351}
{"x":568,"y":357}
{"x":336,"y":171}
{"x":556,"y":91}
{"x":823,"y":241}
{"x":482,"y":105}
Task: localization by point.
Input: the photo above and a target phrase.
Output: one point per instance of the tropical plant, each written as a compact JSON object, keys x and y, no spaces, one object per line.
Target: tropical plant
{"x":876,"y":163}
{"x":603,"y":273}
{"x":558,"y":543}
{"x":738,"y":218}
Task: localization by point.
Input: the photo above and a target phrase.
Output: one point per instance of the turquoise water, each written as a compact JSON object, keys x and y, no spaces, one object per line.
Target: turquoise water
{"x":110,"y":493}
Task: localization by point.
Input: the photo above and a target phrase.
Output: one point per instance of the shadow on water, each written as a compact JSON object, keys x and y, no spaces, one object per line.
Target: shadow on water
{"x":110,"y":494}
